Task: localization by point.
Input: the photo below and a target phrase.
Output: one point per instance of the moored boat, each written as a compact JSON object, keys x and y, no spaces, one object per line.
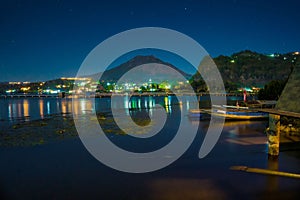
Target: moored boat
{"x":229,"y":113}
{"x":238,"y":113}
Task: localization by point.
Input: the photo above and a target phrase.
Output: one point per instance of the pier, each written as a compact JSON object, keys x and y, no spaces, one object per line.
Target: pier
{"x":287,"y":105}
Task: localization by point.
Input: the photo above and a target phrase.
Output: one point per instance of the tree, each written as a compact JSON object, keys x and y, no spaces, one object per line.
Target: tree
{"x":197,"y":83}
{"x":272,"y":90}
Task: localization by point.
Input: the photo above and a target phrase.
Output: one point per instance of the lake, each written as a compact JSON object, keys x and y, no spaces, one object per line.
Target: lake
{"x":14,"y":109}
{"x":64,"y":169}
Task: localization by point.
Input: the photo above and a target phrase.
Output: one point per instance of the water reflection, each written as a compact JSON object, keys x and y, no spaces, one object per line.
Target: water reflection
{"x":272,"y":181}
{"x":185,"y":188}
{"x":132,"y":104}
{"x":139,"y":103}
{"x":245,"y":132}
{"x":41,"y":107}
{"x":83,"y":107}
{"x":80,"y":106}
{"x":32,"y":108}
{"x":48,"y":107}
{"x":243,"y":127}
{"x":26,"y":108}
{"x":9,"y":111}
{"x":149,"y":103}
{"x":167,"y":103}
{"x":64,"y":108}
{"x":19,"y":110}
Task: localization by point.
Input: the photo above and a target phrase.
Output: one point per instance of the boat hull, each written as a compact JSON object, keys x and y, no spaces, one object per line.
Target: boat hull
{"x":229,"y":115}
{"x":241,"y":115}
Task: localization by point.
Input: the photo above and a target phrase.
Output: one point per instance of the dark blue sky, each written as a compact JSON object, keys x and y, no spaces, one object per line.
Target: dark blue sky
{"x":42,"y":40}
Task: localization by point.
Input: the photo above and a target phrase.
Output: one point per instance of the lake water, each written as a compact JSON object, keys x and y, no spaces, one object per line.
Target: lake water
{"x":15,"y":109}
{"x":66,"y":170}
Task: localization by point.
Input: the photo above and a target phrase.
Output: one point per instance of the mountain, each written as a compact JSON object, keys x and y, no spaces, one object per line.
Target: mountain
{"x":248,"y":68}
{"x":142,"y":68}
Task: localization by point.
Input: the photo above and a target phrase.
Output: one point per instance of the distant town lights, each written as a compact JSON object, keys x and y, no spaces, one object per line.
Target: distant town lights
{"x":24,"y":89}
{"x":49,"y":91}
{"x":10,"y":91}
{"x":75,"y":79}
{"x":14,"y":83}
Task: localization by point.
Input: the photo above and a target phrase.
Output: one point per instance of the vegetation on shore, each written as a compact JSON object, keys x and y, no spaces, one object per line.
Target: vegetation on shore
{"x":248,"y":69}
{"x":272,"y":90}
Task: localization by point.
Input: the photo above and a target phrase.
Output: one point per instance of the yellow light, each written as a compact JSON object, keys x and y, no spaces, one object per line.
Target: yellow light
{"x":75,"y":79}
{"x":24,"y":89}
{"x":14,"y":83}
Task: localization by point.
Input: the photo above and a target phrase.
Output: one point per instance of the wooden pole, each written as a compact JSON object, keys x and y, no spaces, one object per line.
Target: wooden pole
{"x":264,"y":171}
{"x":273,"y":133}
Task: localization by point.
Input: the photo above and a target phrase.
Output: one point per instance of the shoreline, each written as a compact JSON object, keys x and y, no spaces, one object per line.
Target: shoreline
{"x":108,"y":95}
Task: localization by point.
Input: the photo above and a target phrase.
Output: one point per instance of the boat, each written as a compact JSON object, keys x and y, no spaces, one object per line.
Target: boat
{"x":237,"y":113}
{"x":229,"y":113}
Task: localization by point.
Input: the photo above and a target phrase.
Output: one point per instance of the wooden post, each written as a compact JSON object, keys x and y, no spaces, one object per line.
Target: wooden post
{"x":273,"y":134}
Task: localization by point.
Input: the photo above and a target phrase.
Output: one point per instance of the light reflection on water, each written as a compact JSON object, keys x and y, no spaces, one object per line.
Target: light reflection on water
{"x":38,"y":108}
{"x":41,"y":108}
{"x":13,"y":109}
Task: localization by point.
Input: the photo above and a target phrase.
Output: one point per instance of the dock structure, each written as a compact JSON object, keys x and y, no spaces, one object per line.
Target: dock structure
{"x":288,"y":105}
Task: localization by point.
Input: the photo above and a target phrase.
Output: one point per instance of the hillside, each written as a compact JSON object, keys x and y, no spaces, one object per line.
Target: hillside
{"x":248,"y":68}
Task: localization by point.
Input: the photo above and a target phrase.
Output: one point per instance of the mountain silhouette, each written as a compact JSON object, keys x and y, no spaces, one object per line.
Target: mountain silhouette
{"x":142,"y":68}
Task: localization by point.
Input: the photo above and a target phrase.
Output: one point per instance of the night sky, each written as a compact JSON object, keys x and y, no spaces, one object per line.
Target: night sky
{"x":41,"y":40}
